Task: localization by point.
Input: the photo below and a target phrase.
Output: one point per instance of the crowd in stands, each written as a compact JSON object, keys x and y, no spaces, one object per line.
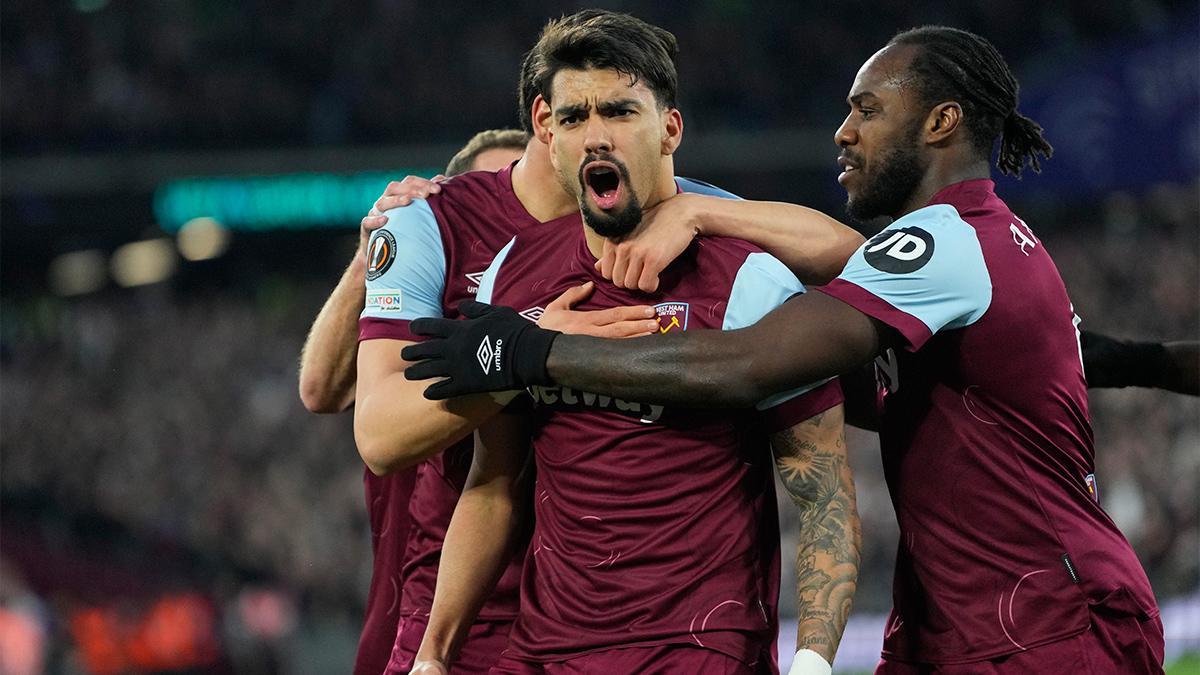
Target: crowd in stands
{"x":101,"y":76}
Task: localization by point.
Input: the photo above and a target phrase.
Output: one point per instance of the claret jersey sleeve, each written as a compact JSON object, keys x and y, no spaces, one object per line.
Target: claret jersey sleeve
{"x":922,"y":274}
{"x":762,"y":284}
{"x":406,"y":273}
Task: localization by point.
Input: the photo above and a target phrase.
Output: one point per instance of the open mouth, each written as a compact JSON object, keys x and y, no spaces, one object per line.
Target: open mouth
{"x":603,"y":181}
{"x":848,"y":168}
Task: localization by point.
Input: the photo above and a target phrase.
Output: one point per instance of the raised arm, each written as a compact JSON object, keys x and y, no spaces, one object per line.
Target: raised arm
{"x":330,"y":353}
{"x":809,"y":338}
{"x":814,"y":246}
{"x":813,"y":467}
{"x":480,"y":539}
{"x":873,"y":304}
{"x":327,"y":360}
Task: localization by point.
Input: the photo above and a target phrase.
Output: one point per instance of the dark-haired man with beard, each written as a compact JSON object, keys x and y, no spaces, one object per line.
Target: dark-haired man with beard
{"x":655,"y":542}
{"x":1007,"y":563}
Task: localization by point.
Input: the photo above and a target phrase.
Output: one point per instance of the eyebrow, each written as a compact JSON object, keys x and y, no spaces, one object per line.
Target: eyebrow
{"x":610,"y":106}
{"x":857,"y":99}
{"x":572,"y":109}
{"x":603,"y":107}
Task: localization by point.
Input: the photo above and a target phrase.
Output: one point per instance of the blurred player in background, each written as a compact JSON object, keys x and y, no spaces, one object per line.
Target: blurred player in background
{"x":655,"y":542}
{"x":1007,"y":563}
{"x":327,"y":376}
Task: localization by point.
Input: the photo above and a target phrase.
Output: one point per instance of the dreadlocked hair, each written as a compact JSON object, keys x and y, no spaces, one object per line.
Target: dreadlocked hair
{"x":954,"y":65}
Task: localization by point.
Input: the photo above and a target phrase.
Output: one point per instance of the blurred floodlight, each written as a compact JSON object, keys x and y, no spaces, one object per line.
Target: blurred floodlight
{"x":77,"y":273}
{"x":143,"y":262}
{"x":202,"y":239}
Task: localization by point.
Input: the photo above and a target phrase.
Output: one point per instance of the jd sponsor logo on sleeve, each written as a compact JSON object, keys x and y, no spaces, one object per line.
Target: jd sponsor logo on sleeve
{"x":381,"y":252}
{"x":899,"y":251}
{"x":671,"y":316}
{"x":384,"y":301}
{"x":487,"y":355}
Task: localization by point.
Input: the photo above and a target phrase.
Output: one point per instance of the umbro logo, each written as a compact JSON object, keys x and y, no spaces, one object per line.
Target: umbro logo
{"x":488,"y":354}
{"x":534,"y":313}
{"x":475,"y":278}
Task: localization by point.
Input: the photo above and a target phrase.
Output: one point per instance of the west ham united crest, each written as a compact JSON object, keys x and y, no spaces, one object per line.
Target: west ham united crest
{"x":380,"y":254}
{"x":671,"y":316}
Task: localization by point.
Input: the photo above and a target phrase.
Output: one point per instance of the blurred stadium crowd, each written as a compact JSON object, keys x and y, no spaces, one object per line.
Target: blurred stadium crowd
{"x":163,"y":490}
{"x":176,"y":73}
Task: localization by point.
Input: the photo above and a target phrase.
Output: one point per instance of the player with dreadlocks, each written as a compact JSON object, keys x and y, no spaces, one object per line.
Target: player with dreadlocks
{"x":1006,"y":562}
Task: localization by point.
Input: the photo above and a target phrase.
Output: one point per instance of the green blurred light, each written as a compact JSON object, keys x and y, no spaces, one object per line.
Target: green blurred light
{"x":89,"y":6}
{"x":263,"y":203}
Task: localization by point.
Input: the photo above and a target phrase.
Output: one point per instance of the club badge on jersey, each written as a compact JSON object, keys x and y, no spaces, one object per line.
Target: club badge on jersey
{"x":671,"y":316}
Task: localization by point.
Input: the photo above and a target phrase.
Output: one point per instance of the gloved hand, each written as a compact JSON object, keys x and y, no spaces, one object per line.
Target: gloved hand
{"x":494,"y":349}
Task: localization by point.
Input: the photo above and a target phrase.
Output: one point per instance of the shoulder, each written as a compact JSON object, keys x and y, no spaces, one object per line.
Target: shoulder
{"x":937,"y":220}
{"x":471,"y":184}
{"x":412,"y":229}
{"x":724,"y":251}
{"x":474,"y":191}
{"x":935,"y":234}
{"x":702,"y":188}
{"x":923,"y":273}
{"x":732,"y":259}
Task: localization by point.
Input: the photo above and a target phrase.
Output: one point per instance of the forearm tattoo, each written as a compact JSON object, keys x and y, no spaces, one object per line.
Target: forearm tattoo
{"x":811,"y":459}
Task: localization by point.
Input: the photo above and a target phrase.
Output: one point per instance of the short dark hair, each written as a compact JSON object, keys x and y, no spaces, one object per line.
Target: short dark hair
{"x":485,"y":140}
{"x":527,"y":91}
{"x":595,"y":38}
{"x":954,"y":65}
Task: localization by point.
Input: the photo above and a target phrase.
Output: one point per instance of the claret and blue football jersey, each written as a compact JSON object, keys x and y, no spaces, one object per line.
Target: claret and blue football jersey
{"x":986,"y":440}
{"x":652,"y":525}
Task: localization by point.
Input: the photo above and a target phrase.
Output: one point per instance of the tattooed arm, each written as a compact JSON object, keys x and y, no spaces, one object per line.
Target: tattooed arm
{"x":812,"y":463}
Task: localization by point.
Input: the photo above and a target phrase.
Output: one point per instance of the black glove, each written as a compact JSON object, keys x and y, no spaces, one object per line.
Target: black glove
{"x":495,"y":349}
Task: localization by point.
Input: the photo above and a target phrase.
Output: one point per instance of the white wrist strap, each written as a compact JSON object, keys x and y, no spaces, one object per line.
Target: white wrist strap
{"x":808,"y":662}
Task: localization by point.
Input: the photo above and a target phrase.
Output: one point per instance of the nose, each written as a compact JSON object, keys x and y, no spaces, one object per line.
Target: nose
{"x":847,"y":133}
{"x":598,"y":140}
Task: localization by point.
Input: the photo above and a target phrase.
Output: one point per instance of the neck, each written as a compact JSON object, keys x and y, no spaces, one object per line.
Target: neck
{"x":939,"y":177}
{"x":665,"y":188}
{"x":537,"y":188}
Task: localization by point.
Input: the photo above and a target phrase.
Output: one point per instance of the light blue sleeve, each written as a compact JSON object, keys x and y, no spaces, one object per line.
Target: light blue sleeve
{"x":762,"y":284}
{"x":929,"y":265}
{"x":701,"y":188}
{"x":406,"y":266}
{"x":488,"y":282}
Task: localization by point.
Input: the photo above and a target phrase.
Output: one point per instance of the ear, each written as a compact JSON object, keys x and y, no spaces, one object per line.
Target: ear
{"x":540,"y":119}
{"x":672,"y":131}
{"x":943,"y":121}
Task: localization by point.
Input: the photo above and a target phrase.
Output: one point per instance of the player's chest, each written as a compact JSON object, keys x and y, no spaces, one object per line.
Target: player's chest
{"x":467,"y":262}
